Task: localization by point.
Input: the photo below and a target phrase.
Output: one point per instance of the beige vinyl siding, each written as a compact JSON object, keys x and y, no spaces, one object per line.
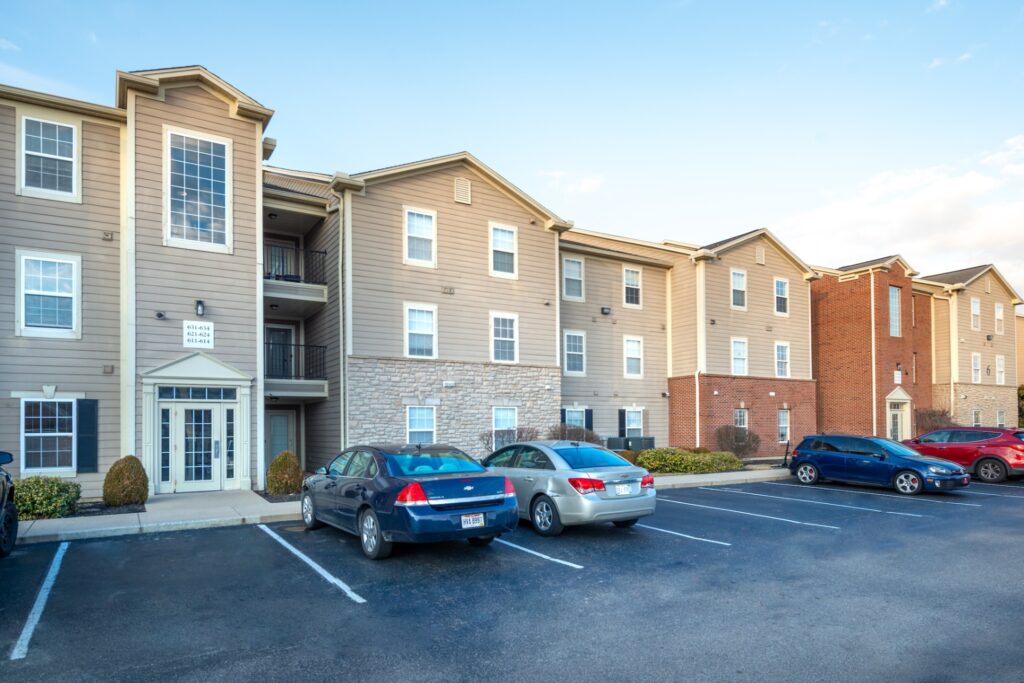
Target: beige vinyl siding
{"x":940,"y":335}
{"x":684,"y":317}
{"x":170,"y":279}
{"x":74,"y":366}
{"x":1018,"y":325}
{"x":604,"y":389}
{"x":975,"y":340}
{"x":381,"y":282}
{"x":758,"y":323}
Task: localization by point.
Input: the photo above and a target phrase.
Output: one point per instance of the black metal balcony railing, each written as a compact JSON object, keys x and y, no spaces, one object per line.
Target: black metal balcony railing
{"x":295,"y":361}
{"x":290,"y":264}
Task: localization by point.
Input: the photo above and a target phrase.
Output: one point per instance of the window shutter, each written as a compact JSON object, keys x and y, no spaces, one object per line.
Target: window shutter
{"x":588,"y":419}
{"x":563,"y":415}
{"x":87,"y":434}
{"x":622,"y":422}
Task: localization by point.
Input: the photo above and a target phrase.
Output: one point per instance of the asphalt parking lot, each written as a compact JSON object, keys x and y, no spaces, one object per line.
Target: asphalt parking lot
{"x":769,"y":581}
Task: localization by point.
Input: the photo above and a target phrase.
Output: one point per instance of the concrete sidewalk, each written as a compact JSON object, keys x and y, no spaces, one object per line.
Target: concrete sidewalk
{"x":751,"y":475}
{"x":169,"y":512}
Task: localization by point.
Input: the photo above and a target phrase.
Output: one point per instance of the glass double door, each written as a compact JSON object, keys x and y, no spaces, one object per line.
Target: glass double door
{"x":198,"y":445}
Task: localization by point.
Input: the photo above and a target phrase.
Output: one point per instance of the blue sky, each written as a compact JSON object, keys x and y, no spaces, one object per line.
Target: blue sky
{"x":851,"y":129}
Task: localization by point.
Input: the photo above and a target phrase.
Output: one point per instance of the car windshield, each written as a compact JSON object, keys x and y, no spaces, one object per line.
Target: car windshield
{"x":586,"y":457}
{"x":426,"y":463}
{"x":895,"y":447}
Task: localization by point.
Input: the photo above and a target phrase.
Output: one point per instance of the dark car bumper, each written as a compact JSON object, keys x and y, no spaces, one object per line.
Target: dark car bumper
{"x":424,"y":524}
{"x":934,"y":482}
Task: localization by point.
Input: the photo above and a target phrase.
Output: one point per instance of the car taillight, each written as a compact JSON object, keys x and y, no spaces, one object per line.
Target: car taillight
{"x":510,"y":490}
{"x":585,"y":485}
{"x":796,"y":453}
{"x":647,"y":482}
{"x":412,"y":495}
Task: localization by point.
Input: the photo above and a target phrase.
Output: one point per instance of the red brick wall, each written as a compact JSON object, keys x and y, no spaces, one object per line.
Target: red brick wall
{"x":682,"y":423}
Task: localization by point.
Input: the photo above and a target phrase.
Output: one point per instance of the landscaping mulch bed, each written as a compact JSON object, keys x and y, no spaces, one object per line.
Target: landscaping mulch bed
{"x":286,"y":498}
{"x":98,"y":508}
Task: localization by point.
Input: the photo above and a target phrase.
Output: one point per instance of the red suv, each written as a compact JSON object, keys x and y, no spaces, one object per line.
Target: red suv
{"x":990,"y":453}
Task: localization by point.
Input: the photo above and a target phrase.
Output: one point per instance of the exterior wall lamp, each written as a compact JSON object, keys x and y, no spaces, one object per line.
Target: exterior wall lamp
{"x":200,"y":308}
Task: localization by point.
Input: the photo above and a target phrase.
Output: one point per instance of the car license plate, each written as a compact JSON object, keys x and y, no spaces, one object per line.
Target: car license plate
{"x":473,"y":521}
{"x":623,"y":489}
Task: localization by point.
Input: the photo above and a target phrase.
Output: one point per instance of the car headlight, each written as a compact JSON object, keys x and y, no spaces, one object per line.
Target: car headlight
{"x":935,"y":469}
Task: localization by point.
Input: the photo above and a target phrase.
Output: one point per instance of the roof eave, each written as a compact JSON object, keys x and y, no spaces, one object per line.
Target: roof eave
{"x":63,"y":103}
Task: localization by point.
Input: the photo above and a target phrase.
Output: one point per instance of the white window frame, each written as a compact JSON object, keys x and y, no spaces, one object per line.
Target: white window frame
{"x":975,"y":368}
{"x":24,"y":113}
{"x":976,"y":417}
{"x":789,"y":362}
{"x":732,"y":356}
{"x":639,"y":286}
{"x":582,"y":410}
{"x":1001,"y":419}
{"x":775,"y":296}
{"x":781,"y":412}
{"x":736,"y":413}
{"x":419,"y":263}
{"x":625,"y":356}
{"x":1000,"y":320}
{"x":23,"y":330}
{"x":746,"y":289}
{"x":433,"y":422}
{"x":406,"y":307}
{"x":896,"y":323}
{"x":1001,"y":370}
{"x":51,"y":471}
{"x":565,"y":353}
{"x":229,"y":195}
{"x":975,"y":313}
{"x":494,"y":422}
{"x":583,"y":280}
{"x":515,"y":336}
{"x":491,"y":226}
{"x":635,"y":411}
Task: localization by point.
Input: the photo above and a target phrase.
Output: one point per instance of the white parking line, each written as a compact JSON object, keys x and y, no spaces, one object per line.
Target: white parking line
{"x":749,"y":514}
{"x":21,"y":647}
{"x":692,"y":538}
{"x":542,"y":555}
{"x":327,"y":576}
{"x":872,"y":493}
{"x":1005,"y":486}
{"x":981,"y":493}
{"x":812,"y":502}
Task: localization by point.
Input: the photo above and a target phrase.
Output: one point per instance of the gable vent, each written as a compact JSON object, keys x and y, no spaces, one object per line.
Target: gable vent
{"x":759,"y":255}
{"x":988,"y":285}
{"x":463,"y":191}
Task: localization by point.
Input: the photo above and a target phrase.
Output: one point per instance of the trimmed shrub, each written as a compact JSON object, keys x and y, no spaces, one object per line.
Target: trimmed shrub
{"x":628,"y":455}
{"x":699,"y":449}
{"x":564,"y":432}
{"x":46,"y":497}
{"x":930,"y":420}
{"x":738,"y":440}
{"x":512,"y":436}
{"x":284,"y":475}
{"x":126,"y":483}
{"x":678,"y":461}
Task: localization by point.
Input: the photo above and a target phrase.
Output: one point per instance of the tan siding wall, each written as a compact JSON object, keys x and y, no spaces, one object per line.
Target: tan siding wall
{"x":604,"y":389}
{"x":940,"y":331}
{"x":1019,"y":328}
{"x":684,"y":317}
{"x":975,"y":340}
{"x":170,"y":279}
{"x":381,"y":282}
{"x":27,"y":363}
{"x":758,"y":323}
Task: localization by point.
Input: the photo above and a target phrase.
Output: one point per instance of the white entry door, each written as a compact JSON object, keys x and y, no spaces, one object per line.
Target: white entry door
{"x":899,"y":420}
{"x":198,"y":457}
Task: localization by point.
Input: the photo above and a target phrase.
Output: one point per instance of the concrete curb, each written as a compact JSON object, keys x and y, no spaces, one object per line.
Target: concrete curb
{"x":682,"y":481}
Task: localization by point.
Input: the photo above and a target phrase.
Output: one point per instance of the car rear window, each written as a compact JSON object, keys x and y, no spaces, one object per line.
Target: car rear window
{"x":1019,"y":435}
{"x":428,"y":463}
{"x":586,"y":457}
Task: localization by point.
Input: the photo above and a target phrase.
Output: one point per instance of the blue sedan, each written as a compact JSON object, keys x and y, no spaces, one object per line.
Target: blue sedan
{"x":409,"y":494}
{"x":871,"y":460}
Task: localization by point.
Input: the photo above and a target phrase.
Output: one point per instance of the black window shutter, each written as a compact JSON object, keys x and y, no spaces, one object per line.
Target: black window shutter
{"x":563,"y":415}
{"x":87,"y":434}
{"x":622,"y":422}
{"x":588,"y":419}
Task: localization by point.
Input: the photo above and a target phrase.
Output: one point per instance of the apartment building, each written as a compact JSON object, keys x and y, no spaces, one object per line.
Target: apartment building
{"x":1019,"y":324}
{"x":872,"y":348}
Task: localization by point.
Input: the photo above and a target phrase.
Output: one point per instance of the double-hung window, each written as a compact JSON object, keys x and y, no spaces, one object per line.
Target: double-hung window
{"x":783,"y":426}
{"x":199,"y":191}
{"x":739,"y":356}
{"x":633,"y":357}
{"x":575,"y":352}
{"x":505,"y":425}
{"x":420,"y":331}
{"x":976,"y":421}
{"x":47,"y":435}
{"x":1001,"y":419}
{"x":49,"y":164}
{"x":421,"y":424}
{"x":420,"y":239}
{"x":631,"y":287}
{"x":504,"y":251}
{"x":1000,"y":324}
{"x":894,"y":311}
{"x":738,"y":279}
{"x":1000,"y":370}
{"x":975,"y":368}
{"x":504,"y":338}
{"x":576,"y":417}
{"x":49,"y":300}
{"x":781,"y":296}
{"x":782,"y":359}
{"x":634,"y":422}
{"x":740,"y":421}
{"x":572,"y":279}
{"x":975,"y":313}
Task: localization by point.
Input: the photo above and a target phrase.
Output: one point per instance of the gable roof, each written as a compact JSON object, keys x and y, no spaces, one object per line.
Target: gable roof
{"x":958,"y":279}
{"x":716,"y":249}
{"x":594,"y":250}
{"x":742,"y":237}
{"x":553,"y":221}
{"x":882,"y":262}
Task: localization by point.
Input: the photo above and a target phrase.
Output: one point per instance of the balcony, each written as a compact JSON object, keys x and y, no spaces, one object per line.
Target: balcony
{"x":297,"y":371}
{"x":294,"y":281}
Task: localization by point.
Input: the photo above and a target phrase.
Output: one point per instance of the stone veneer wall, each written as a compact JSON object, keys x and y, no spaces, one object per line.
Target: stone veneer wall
{"x":380,"y":389}
{"x":984,"y":397}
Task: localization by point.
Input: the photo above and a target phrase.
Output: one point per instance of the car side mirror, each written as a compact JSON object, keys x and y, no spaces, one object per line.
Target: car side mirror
{"x":321,"y":470}
{"x":880,"y":456}
{"x":6,"y":458}
{"x":915,"y":441}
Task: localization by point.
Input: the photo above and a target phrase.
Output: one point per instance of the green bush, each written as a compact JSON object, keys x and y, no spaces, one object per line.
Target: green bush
{"x":628,"y":455}
{"x":126,"y":483}
{"x":46,"y":497}
{"x":678,"y":461}
{"x":284,"y":475}
{"x":699,"y":449}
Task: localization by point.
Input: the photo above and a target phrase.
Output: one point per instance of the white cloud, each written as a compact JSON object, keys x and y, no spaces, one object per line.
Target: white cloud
{"x":935,"y":63}
{"x":964,"y":57}
{"x":8,"y":46}
{"x":21,"y":78}
{"x":568,"y":182}
{"x":938,"y":5}
{"x":92,"y":37}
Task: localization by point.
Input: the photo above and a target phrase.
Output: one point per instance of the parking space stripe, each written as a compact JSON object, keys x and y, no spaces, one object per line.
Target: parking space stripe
{"x":1005,"y":486}
{"x":692,"y":538}
{"x":327,"y":576}
{"x":749,"y":514}
{"x":812,"y":502}
{"x":872,"y":493}
{"x":981,"y":493}
{"x":21,"y":647}
{"x":541,"y":555}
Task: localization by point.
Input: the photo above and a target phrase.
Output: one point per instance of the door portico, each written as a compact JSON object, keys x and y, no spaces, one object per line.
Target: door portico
{"x":897,"y":422}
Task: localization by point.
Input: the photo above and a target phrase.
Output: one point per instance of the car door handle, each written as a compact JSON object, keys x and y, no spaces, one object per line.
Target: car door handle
{"x":527,"y":478}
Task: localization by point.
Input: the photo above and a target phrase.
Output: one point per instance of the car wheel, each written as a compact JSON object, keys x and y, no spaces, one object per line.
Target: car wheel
{"x":371,"y":538}
{"x":625,"y":523}
{"x":807,"y":474}
{"x":309,"y":512}
{"x":8,"y":529}
{"x":544,"y":515}
{"x":908,"y":483}
{"x":991,"y":471}
{"x":481,"y":541}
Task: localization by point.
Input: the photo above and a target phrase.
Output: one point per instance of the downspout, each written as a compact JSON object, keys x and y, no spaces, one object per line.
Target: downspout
{"x":874,"y":366}
{"x":954,"y":349}
{"x":702,"y":339}
{"x":347,"y":318}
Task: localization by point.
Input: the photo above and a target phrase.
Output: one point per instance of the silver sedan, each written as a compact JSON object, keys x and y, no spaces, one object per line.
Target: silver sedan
{"x":563,"y":483}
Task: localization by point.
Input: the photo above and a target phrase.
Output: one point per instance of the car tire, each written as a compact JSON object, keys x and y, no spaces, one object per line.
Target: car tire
{"x":807,"y":474}
{"x":908,"y":482}
{"x":371,"y":538}
{"x":309,"y":513}
{"x":480,"y":541}
{"x":544,"y":516}
{"x":990,"y":471}
{"x":8,"y":529}
{"x":625,"y":523}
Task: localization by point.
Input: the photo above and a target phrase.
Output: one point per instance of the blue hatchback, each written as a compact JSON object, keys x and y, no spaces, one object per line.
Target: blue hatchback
{"x":409,"y":494}
{"x":871,"y":460}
